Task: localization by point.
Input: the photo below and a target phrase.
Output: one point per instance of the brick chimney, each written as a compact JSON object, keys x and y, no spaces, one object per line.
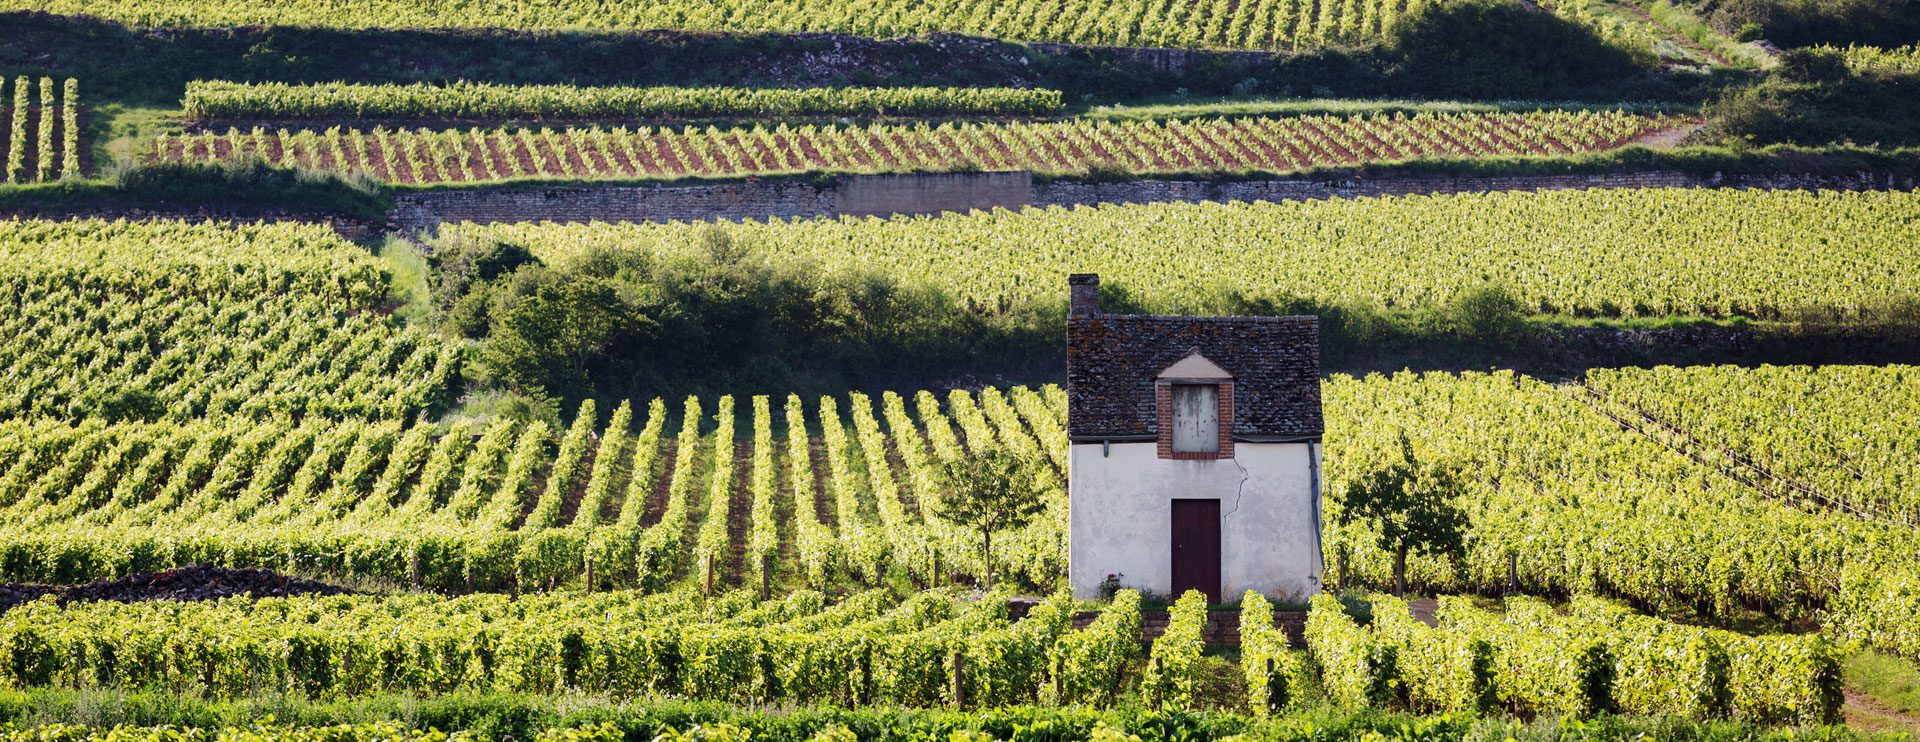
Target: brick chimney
{"x":1084,"y":289}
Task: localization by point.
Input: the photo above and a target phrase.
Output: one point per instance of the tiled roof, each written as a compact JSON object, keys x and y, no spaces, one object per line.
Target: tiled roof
{"x":1113,"y":360}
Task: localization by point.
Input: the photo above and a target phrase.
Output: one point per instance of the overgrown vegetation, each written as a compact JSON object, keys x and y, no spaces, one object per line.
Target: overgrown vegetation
{"x":239,"y":187}
{"x":624,"y":323}
{"x":95,"y":51}
{"x":1814,"y":98}
{"x":1499,"y":49}
{"x":1793,"y":23}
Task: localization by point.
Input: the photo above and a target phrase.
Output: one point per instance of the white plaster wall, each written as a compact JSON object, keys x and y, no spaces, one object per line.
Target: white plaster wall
{"x":1120,"y":520}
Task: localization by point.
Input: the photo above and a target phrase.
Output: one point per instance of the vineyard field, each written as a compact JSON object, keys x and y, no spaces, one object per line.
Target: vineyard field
{"x":505,"y":506}
{"x":42,"y":134}
{"x":216,"y":100}
{"x":932,"y":649}
{"x":1629,"y":252}
{"x":1803,"y":437}
{"x":1138,"y":148}
{"x":865,"y":649}
{"x":1581,"y":505}
{"x":1903,"y":60}
{"x":125,"y":320}
{"x":1257,"y":24}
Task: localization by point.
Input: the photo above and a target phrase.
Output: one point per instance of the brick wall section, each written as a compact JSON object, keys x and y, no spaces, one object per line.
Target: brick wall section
{"x":1226,"y":420}
{"x":1222,"y":629}
{"x":1163,"y":419}
{"x":852,"y":195}
{"x":1163,"y":395}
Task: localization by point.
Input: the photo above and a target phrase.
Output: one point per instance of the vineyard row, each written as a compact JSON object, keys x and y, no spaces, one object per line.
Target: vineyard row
{"x":215,"y":100}
{"x":507,"y":506}
{"x":42,"y":141}
{"x":931,"y":649}
{"x":1597,"y":252}
{"x":1249,"y":24}
{"x":1140,"y":148}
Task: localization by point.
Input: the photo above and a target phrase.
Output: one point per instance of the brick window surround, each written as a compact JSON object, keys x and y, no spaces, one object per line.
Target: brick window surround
{"x":1163,"y":397}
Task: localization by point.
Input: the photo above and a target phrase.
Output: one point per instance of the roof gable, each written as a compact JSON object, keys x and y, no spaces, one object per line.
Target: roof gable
{"x":1195,"y":366}
{"x":1114,"y":361}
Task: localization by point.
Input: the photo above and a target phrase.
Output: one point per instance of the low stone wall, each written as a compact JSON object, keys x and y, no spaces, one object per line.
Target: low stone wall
{"x":853,"y":195}
{"x":932,"y":193}
{"x":1065,"y":193}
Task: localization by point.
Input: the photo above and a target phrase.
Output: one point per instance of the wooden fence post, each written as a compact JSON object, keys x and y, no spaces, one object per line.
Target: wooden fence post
{"x":1343,"y":570}
{"x":1059,"y":687}
{"x":709,"y":574}
{"x":589,"y":575}
{"x":959,"y":680}
{"x":766,"y":569}
{"x":1513,"y":573}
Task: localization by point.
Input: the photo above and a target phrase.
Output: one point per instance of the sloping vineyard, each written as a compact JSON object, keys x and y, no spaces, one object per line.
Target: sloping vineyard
{"x":42,"y":132}
{"x":1600,"y":656}
{"x":1846,"y":437}
{"x":866,"y":649}
{"x":1903,"y":60}
{"x":214,"y":100}
{"x":118,"y":320}
{"x":505,"y":506}
{"x":1255,"y":24}
{"x":1572,"y":503}
{"x":1629,"y":252}
{"x":1136,"y":147}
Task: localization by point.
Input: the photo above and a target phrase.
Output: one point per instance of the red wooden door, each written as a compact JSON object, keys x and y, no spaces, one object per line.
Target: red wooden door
{"x":1196,"y":548}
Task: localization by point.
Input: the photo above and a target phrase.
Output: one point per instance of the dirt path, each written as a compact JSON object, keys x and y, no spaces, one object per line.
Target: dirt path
{"x":1866,"y":712}
{"x":1668,"y":138}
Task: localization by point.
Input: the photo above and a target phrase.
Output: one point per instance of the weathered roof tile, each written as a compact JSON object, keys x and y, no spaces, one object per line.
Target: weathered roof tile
{"x":1113,"y":360}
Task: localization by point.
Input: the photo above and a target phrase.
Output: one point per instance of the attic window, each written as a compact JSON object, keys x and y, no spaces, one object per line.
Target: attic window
{"x":1194,"y":396}
{"x":1196,"y":418}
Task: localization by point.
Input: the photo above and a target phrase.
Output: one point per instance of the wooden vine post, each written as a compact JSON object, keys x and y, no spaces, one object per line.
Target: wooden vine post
{"x":959,"y":680}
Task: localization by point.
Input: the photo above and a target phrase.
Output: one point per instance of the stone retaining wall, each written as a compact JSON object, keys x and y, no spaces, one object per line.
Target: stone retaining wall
{"x":932,"y":193}
{"x":1063,"y":193}
{"x":852,"y":195}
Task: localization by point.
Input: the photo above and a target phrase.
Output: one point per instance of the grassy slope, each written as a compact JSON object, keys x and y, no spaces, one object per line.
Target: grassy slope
{"x":1883,"y":693}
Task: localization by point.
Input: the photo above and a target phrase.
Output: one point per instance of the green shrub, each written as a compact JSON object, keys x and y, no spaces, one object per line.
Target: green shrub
{"x":1356,"y":668}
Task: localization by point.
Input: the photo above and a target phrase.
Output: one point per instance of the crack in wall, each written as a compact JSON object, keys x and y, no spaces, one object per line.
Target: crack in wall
{"x":1239,"y":490}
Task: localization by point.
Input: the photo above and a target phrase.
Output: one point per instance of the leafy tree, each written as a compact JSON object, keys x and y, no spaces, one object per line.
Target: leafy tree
{"x":990,"y":491}
{"x":1501,"y":49}
{"x":548,"y":328}
{"x":1411,"y":504}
